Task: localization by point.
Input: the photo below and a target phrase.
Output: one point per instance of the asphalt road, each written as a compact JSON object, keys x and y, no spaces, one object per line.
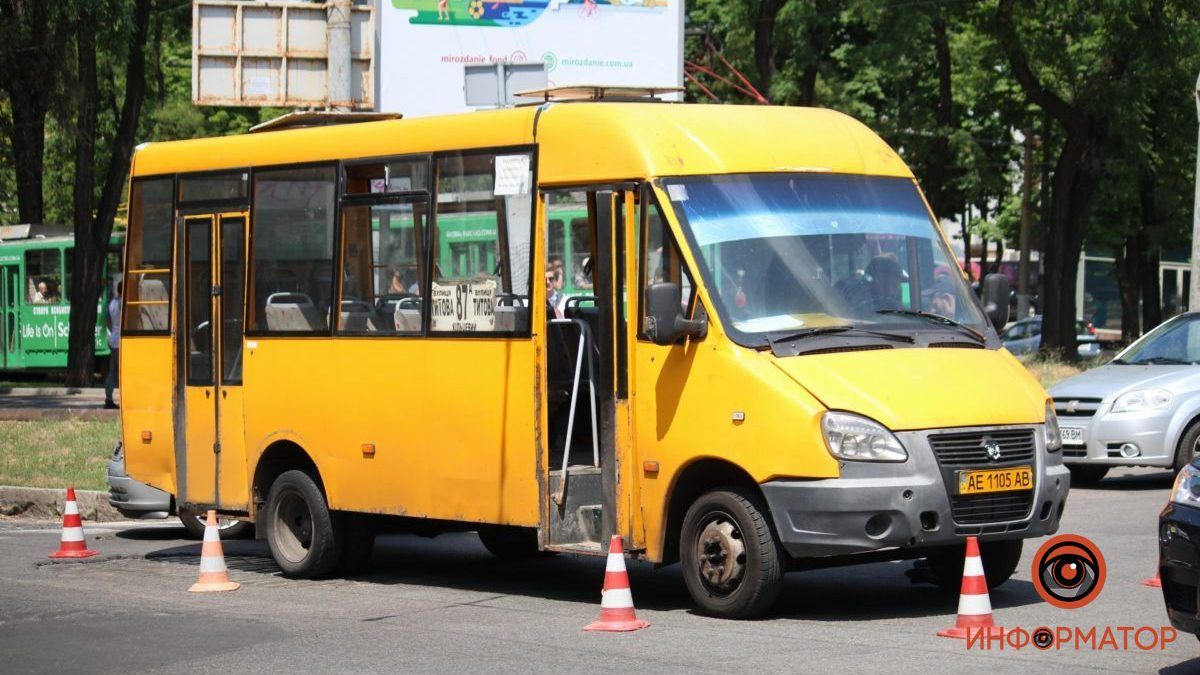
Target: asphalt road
{"x":445,"y":605}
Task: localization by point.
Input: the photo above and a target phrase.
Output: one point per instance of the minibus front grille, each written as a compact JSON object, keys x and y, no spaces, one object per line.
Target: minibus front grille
{"x":971,"y":448}
{"x":990,"y":508}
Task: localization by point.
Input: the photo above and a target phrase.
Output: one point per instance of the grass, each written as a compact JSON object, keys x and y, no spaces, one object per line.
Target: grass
{"x":56,"y":453}
{"x":1049,"y":370}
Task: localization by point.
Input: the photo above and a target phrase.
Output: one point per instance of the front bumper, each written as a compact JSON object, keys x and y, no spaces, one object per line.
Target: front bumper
{"x":1179,"y":564}
{"x":1106,"y":432}
{"x":132,"y":498}
{"x":877,"y":506}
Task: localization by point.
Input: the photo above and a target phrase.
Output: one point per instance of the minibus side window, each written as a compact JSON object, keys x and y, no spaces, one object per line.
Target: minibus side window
{"x":291,"y":252}
{"x":383,"y":278}
{"x":661,"y":261}
{"x":480,"y":243}
{"x":147,"y":294}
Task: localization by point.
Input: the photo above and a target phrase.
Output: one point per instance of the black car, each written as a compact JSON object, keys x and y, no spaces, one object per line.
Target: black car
{"x":1179,"y":550}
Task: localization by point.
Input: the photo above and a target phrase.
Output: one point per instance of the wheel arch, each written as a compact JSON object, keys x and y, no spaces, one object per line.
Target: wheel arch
{"x":278,"y":456}
{"x":691,"y":481}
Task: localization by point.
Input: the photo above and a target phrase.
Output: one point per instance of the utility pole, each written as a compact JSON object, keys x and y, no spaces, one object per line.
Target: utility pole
{"x":1026,"y":226}
{"x":1194,"y":291}
{"x":337,"y":31}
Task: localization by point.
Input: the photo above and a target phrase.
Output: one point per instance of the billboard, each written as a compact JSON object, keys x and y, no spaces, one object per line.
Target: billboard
{"x":424,"y":45}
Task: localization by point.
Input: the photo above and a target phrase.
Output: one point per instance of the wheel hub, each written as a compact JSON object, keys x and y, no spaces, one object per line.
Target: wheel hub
{"x":721,"y":553}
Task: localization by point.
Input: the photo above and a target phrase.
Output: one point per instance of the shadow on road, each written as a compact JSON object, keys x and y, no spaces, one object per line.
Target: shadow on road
{"x":459,"y":561}
{"x":1158,"y":480}
{"x":1182,"y":668}
{"x":152,"y":533}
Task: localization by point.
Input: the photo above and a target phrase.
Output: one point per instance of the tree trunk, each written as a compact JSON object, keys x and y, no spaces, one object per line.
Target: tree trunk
{"x":1128,"y":258}
{"x":764,"y":43}
{"x":937,"y":171}
{"x":87,"y":279}
{"x":1149,"y":278}
{"x":29,"y":66}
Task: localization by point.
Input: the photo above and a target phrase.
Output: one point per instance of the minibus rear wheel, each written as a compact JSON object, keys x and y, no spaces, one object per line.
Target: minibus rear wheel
{"x":305,"y":538}
{"x":732,"y":564}
{"x":1000,"y":559}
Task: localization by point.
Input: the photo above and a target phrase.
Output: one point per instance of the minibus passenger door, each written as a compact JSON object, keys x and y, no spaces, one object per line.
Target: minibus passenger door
{"x":197,"y":339}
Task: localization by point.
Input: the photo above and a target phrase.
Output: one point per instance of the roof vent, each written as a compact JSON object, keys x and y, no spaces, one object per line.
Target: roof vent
{"x":320,"y":118}
{"x":598,"y":92}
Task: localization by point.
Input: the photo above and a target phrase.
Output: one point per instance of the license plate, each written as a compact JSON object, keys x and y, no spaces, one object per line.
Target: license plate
{"x":995,"y":480}
{"x":1073,"y":435}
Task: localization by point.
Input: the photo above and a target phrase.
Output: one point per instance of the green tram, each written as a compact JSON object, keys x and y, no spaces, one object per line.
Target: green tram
{"x":469,"y":243}
{"x":35,"y":312}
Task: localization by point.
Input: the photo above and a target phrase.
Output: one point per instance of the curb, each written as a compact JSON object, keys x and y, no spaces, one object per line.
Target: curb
{"x":33,"y":414}
{"x":46,"y":503}
{"x":51,"y":391}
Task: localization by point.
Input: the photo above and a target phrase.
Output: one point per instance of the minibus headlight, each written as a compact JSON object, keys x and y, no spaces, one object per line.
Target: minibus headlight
{"x":1187,"y":487}
{"x":858,"y":439}
{"x":1053,"y":435}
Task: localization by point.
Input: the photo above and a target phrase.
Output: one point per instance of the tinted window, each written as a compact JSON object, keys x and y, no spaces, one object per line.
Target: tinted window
{"x":43,"y":276}
{"x":213,"y":187}
{"x":147,"y":296}
{"x":292,"y":250}
{"x":383,"y":276}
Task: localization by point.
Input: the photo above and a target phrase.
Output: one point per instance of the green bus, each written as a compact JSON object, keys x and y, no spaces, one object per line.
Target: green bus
{"x":35,"y":312}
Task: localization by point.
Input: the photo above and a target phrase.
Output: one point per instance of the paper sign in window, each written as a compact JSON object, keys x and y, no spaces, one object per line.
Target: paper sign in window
{"x":512,"y":175}
{"x":467,"y":306}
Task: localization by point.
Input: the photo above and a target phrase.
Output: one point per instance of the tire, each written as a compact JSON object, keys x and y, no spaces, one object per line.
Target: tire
{"x":305,"y":538}
{"x":1000,"y":560}
{"x":359,"y":537}
{"x":723,"y":528}
{"x":229,"y":527}
{"x":1087,"y":475}
{"x":1186,"y":452}
{"x":510,"y":542}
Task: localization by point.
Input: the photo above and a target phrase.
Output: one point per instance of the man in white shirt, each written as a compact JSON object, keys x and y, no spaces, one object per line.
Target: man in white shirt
{"x":114,"y":345}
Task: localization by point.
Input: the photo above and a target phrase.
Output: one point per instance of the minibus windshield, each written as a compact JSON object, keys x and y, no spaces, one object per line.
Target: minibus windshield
{"x":783,"y":254}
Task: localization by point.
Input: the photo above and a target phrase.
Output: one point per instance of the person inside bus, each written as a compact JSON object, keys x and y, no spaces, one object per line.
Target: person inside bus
{"x":884,"y":278}
{"x":51,"y":295}
{"x":553,"y":295}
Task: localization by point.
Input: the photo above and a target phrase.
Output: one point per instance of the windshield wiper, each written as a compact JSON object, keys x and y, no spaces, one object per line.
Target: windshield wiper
{"x":837,"y":330}
{"x":938,"y":318}
{"x":1165,"y":361}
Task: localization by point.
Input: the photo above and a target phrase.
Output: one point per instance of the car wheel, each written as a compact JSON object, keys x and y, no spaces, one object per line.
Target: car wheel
{"x":1086,"y":475}
{"x":230,"y":528}
{"x":305,"y":538}
{"x":509,"y":542}
{"x":1189,"y":445}
{"x":1000,"y":560}
{"x":732,"y":564}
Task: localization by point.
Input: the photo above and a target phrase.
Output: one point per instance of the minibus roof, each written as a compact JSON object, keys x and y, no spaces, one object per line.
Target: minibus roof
{"x":579,"y":142}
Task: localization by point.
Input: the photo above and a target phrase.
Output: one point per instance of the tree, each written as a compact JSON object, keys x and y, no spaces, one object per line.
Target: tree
{"x":1076,"y":87}
{"x":31,"y":32}
{"x":93,"y":218}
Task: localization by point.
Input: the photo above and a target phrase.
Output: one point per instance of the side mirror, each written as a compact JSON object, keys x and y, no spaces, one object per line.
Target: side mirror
{"x":995,"y":300}
{"x":664,"y":315}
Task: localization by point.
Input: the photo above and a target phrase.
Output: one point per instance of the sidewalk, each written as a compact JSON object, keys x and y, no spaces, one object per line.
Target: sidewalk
{"x":38,"y":403}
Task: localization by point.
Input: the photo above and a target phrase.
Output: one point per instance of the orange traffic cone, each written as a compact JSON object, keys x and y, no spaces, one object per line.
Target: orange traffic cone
{"x":974,"y":606}
{"x":72,"y":544}
{"x":1154,"y":581}
{"x":616,"y":602}
{"x":214,"y":576}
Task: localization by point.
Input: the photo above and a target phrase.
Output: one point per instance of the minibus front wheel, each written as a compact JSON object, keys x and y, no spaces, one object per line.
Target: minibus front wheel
{"x":732,"y":564}
{"x":302,"y":533}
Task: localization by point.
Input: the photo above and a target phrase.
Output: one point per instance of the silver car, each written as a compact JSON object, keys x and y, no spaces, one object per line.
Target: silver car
{"x":1025,"y":337}
{"x":1140,"y":409}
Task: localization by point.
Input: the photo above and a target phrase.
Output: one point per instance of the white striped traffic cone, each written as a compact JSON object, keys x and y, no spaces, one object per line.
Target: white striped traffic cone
{"x":616,"y":601}
{"x":214,"y":576}
{"x":974,"y":606}
{"x":72,"y":544}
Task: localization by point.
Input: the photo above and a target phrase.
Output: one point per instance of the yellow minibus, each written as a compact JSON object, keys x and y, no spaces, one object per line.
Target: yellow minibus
{"x":765,"y":356}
